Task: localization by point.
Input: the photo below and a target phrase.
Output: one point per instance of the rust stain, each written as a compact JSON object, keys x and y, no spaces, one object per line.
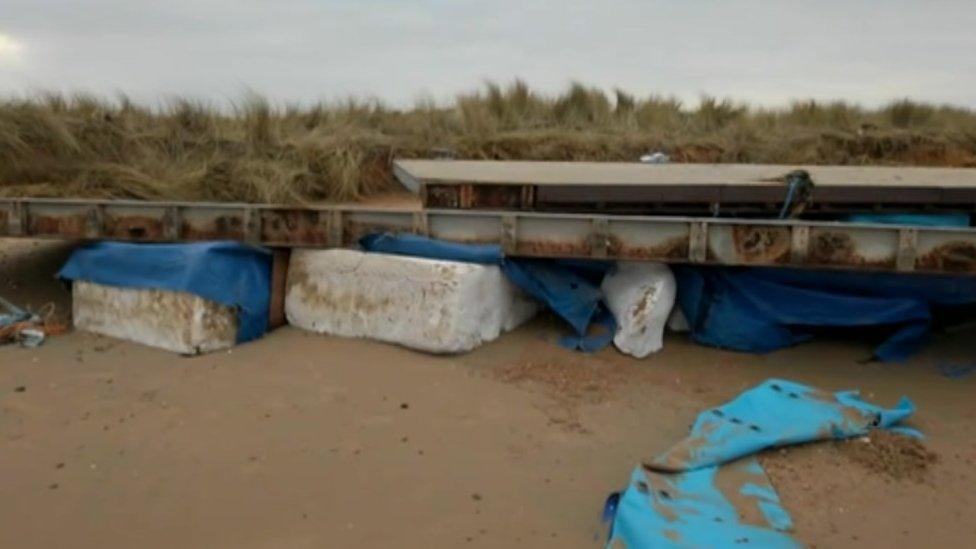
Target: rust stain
{"x":354,"y":230}
{"x":224,"y":227}
{"x":673,"y":248}
{"x":831,"y":248}
{"x":496,"y":197}
{"x":133,"y":227}
{"x":295,"y":227}
{"x":441,"y":196}
{"x":59,"y":225}
{"x":279,"y":278}
{"x":542,"y":248}
{"x":473,"y":241}
{"x":951,"y":257}
{"x":761,"y":244}
{"x":480,"y":197}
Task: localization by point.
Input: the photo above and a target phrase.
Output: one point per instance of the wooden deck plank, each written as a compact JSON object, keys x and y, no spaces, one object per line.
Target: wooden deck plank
{"x":618,"y":173}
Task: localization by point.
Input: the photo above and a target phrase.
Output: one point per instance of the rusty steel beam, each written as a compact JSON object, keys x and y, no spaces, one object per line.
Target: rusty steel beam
{"x":719,"y":241}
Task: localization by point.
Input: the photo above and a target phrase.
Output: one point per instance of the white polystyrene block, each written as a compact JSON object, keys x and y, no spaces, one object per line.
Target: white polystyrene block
{"x":640,"y":295}
{"x":174,"y":321}
{"x":678,"y":322}
{"x":431,"y":305}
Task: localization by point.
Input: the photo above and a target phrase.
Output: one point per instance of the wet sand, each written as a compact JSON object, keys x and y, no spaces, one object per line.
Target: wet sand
{"x":301,"y":440}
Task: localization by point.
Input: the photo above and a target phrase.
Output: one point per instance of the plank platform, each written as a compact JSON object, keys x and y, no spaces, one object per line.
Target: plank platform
{"x":681,"y":188}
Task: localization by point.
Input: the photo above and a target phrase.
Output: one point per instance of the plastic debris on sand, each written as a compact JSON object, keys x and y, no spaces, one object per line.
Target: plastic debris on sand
{"x":710,"y":490}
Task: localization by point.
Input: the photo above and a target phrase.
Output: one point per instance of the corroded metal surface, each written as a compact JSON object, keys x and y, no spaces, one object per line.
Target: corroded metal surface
{"x":484,"y":197}
{"x":672,"y":239}
{"x":294,"y":227}
{"x":947,"y":252}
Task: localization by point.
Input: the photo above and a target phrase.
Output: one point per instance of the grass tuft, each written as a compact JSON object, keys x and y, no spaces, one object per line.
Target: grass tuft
{"x":257,"y":151}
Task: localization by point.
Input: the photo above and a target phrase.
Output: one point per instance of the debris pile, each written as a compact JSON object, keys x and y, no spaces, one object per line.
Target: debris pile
{"x":27,"y":328}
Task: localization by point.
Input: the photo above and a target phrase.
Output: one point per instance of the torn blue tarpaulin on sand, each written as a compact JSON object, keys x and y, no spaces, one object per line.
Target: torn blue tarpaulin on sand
{"x":232,"y":274}
{"x":570,"y":288}
{"x":764,"y":309}
{"x":710,"y":491}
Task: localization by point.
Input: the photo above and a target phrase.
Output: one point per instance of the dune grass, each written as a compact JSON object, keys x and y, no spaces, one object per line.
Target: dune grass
{"x":256,"y":151}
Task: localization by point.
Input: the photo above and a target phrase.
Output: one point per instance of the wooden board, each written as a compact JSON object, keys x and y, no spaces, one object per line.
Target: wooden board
{"x":616,"y":173}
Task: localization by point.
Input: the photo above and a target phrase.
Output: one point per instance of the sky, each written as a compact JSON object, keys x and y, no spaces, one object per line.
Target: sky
{"x":401,"y":51}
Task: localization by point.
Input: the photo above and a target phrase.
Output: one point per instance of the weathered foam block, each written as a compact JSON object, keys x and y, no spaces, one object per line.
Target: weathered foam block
{"x":640,"y":295}
{"x":430,"y":305}
{"x":174,"y":321}
{"x":678,"y":322}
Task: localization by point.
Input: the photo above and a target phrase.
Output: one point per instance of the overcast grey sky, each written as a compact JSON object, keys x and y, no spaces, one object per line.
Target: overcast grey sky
{"x":766,"y":52}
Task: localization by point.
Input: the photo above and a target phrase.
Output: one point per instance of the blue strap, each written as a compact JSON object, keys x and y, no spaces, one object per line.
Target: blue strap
{"x":793,"y":182}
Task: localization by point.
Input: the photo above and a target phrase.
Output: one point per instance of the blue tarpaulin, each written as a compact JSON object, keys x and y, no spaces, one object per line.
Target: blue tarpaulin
{"x":710,"y":491}
{"x":570,"y":288}
{"x":229,"y":273}
{"x":431,"y":248}
{"x":745,"y":309}
{"x":764,"y":309}
{"x":912,"y":219}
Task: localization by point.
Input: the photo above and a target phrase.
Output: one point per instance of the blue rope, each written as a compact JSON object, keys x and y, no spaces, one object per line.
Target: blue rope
{"x":793,"y":182}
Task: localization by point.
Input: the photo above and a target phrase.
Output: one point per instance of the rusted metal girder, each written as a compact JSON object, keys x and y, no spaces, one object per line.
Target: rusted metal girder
{"x":672,"y":239}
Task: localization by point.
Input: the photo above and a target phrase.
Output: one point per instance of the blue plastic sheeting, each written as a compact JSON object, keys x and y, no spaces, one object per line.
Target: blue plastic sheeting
{"x":776,"y":413}
{"x":570,"y":288}
{"x":421,"y":246}
{"x":229,"y":273}
{"x":916,"y":220}
{"x":691,"y":510}
{"x":710,"y":491}
{"x":948,"y":369}
{"x":11,"y":314}
{"x":764,"y":309}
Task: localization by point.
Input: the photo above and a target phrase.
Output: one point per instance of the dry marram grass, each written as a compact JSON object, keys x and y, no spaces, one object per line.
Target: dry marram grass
{"x":51,"y":145}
